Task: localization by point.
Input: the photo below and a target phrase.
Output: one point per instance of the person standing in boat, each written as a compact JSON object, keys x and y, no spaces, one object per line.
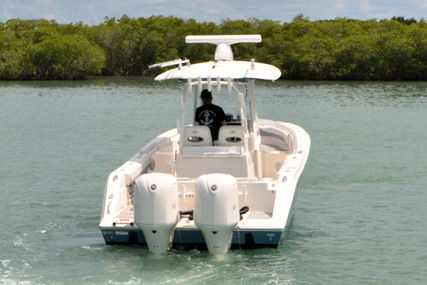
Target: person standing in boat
{"x":210,"y":114}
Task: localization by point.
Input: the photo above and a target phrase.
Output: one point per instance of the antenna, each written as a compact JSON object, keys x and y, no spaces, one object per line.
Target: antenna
{"x":178,"y":62}
{"x":223,"y":42}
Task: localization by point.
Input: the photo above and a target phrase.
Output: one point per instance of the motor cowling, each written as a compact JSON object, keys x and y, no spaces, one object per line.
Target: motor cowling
{"x":156,"y":209}
{"x":216,"y":211}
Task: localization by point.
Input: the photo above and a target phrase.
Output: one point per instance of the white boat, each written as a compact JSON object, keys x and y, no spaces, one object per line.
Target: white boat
{"x":183,"y":190}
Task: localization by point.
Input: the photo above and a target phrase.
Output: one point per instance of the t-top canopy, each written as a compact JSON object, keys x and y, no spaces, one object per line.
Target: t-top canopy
{"x":223,"y":70}
{"x":223,"y":66}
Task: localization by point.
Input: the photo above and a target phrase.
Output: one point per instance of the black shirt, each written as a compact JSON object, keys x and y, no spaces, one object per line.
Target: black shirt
{"x":210,"y":115}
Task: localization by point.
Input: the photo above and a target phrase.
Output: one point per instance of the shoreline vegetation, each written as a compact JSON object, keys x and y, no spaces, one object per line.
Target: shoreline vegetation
{"x":339,"y":49}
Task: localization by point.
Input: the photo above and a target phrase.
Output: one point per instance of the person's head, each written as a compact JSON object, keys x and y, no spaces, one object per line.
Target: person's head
{"x":206,"y":96}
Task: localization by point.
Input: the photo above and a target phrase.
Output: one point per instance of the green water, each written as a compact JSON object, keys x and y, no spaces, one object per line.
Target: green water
{"x":359,"y":219}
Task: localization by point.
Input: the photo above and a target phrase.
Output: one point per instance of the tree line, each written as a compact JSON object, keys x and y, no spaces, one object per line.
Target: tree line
{"x":339,"y":49}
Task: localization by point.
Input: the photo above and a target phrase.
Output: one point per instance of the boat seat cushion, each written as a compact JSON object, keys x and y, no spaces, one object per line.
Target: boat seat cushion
{"x":197,"y":136}
{"x":231,"y":136}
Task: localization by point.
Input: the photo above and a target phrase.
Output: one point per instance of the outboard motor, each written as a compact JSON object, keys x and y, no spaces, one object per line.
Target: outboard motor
{"x":216,"y":211}
{"x":156,"y":209}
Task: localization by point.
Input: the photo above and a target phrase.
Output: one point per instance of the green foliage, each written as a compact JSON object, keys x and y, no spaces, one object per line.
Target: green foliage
{"x":340,"y":49}
{"x":41,"y":49}
{"x":65,"y":57}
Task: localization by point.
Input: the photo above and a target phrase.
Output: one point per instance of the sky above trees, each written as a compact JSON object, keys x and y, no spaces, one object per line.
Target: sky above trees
{"x":93,"y":12}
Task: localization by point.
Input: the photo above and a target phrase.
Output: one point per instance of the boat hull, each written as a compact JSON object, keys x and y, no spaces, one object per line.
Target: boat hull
{"x":194,"y":238}
{"x":270,"y":198}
